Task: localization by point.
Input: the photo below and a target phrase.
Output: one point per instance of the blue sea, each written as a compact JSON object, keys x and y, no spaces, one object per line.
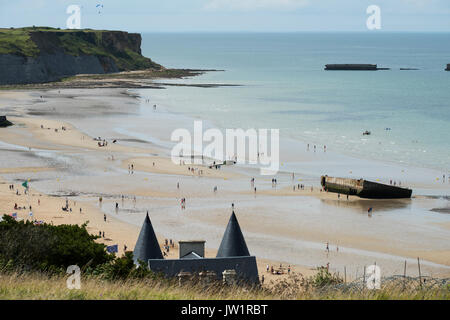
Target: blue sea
{"x":284,"y":85}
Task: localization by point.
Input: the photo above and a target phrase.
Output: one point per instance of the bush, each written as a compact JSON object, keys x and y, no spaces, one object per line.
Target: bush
{"x":323,"y":277}
{"x":49,"y":248}
{"x":121,"y":268}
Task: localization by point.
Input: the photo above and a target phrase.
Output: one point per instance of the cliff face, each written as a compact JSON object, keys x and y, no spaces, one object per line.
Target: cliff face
{"x":31,"y":55}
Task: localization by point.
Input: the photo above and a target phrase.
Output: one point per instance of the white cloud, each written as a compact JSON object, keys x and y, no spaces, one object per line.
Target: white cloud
{"x":251,"y":5}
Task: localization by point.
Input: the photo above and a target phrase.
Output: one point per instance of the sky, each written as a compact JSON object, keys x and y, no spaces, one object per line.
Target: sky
{"x":231,"y":15}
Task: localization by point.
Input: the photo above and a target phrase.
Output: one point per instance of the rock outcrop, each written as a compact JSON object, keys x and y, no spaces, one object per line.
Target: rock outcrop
{"x":4,"y":122}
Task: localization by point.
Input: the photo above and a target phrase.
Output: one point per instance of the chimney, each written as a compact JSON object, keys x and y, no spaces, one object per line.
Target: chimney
{"x":188,"y":246}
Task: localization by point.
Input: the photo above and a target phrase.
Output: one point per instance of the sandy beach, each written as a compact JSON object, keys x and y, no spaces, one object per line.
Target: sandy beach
{"x":52,"y":146}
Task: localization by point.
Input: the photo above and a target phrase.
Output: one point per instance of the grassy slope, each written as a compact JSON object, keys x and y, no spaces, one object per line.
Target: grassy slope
{"x":19,"y":42}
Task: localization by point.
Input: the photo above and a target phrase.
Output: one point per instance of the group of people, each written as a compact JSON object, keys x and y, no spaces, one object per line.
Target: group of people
{"x":279,"y":271}
{"x":324,"y":148}
{"x":274,"y":183}
{"x":394,"y":183}
{"x":327,"y":248}
{"x":167,"y":245}
{"x":192,"y":170}
{"x":183,"y":203}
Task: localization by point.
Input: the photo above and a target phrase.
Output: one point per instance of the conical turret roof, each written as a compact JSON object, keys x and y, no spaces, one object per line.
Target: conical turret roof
{"x":233,"y":242}
{"x":147,"y":246}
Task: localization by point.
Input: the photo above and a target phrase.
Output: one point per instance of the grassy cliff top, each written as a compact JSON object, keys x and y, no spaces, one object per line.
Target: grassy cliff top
{"x":122,"y":47}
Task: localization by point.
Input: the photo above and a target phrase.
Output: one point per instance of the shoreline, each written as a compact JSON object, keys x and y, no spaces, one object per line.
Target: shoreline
{"x":73,"y":143}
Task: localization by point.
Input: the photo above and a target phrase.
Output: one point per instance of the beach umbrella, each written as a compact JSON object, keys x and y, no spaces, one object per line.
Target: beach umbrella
{"x":113,"y":248}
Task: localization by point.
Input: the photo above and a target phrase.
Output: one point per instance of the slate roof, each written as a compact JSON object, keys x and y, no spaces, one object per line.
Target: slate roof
{"x":233,"y":242}
{"x":147,"y":246}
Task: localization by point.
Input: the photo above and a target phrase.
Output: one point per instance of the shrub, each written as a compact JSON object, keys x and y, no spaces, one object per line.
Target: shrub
{"x":49,"y":248}
{"x":121,"y":268}
{"x":323,"y":277}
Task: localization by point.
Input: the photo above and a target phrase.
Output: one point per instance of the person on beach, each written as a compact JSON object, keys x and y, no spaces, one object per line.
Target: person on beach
{"x":327,"y":248}
{"x":104,"y":217}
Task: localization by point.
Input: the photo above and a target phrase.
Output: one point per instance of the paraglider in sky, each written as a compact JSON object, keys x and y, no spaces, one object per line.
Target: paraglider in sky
{"x":99,"y":7}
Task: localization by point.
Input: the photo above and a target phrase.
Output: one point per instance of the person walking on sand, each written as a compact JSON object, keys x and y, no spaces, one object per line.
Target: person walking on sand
{"x":327,"y":248}
{"x":104,"y":217}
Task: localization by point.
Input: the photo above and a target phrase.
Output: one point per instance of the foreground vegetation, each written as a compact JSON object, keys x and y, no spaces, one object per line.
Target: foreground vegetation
{"x":34,"y":259}
{"x":42,"y":286}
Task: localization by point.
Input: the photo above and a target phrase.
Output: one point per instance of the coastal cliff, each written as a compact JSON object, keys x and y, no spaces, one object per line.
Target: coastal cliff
{"x":37,"y":55}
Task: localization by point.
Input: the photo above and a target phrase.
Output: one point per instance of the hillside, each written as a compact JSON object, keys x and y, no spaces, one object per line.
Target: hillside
{"x":40,"y":54}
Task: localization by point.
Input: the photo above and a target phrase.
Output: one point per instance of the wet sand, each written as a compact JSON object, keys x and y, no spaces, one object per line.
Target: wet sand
{"x":280,"y":225}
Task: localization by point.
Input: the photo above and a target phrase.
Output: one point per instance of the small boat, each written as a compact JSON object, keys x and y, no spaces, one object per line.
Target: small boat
{"x":366,"y":133}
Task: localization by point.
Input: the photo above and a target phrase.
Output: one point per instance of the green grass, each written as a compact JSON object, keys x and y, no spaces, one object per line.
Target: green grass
{"x":18,"y":42}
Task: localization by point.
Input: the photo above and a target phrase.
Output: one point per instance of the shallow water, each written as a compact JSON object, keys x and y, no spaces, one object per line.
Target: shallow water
{"x":285,"y":87}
